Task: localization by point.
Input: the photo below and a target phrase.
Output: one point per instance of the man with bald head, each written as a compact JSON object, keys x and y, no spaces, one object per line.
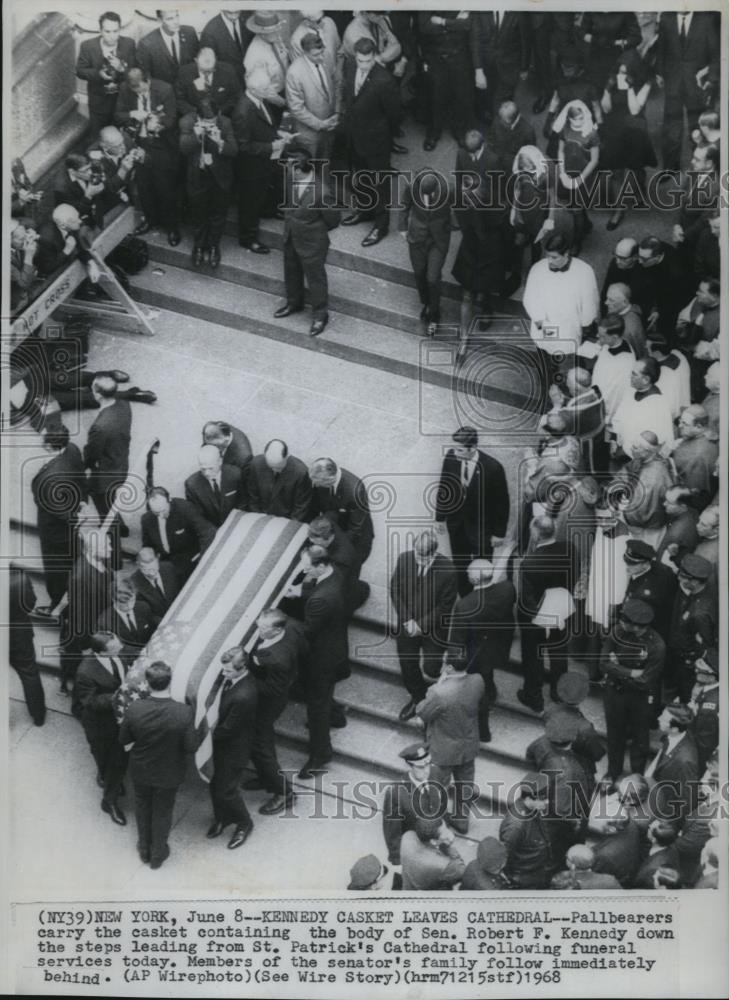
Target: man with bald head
{"x":618,"y":302}
{"x":579,"y":874}
{"x":696,"y":452}
{"x":623,"y":267}
{"x":113,"y":154}
{"x":216,"y":488}
{"x":712,"y":400}
{"x":61,"y":239}
{"x":647,"y":477}
{"x":279,"y":484}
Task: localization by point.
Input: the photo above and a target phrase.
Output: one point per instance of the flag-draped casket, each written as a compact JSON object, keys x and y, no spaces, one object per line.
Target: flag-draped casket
{"x":246,"y":569}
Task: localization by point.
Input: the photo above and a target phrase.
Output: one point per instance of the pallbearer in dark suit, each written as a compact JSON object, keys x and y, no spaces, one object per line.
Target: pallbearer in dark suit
{"x":426,"y":224}
{"x":344,"y":557}
{"x":675,"y":770}
{"x":157,"y":583}
{"x":232,"y":740}
{"x":163,"y":51}
{"x":207,"y":81}
{"x":21,"y":650}
{"x":422,"y":590}
{"x":308,"y":217}
{"x":279,"y":484}
{"x":228,"y":36}
{"x":103,"y":63}
{"x":160,"y":735}
{"x":472,"y":502}
{"x":176,"y":530}
{"x":106,"y":454}
{"x":207,"y":142}
{"x":216,"y":489}
{"x":444,"y":38}
{"x":232,"y":443}
{"x":98,"y":677}
{"x":339,"y":495}
{"x":129,"y":619}
{"x":89,"y":595}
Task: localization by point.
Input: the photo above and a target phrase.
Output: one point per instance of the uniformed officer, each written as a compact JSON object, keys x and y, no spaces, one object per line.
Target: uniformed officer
{"x":572,"y":689}
{"x":367,"y":874}
{"x":633,"y":658}
{"x":694,"y":623}
{"x":650,"y":581}
{"x":705,"y":705}
{"x":486,"y":871}
{"x":405,"y":800}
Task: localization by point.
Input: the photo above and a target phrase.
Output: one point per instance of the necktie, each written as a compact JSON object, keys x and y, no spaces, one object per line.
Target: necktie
{"x":465,"y":474}
{"x":264,"y":109}
{"x":236,"y":35}
{"x":132,"y":620}
{"x":227,"y":685}
{"x":683,"y":26}
{"x":208,"y":78}
{"x":358,"y":82}
{"x":175,"y":59}
{"x":322,"y":79}
{"x":145,"y":102}
{"x":216,"y":490}
{"x":158,"y":584}
{"x":162,"y":522}
{"x":497,"y":19}
{"x":118,"y":666}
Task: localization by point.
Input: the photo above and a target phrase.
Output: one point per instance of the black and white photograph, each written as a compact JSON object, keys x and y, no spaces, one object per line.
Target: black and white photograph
{"x":364,"y":443}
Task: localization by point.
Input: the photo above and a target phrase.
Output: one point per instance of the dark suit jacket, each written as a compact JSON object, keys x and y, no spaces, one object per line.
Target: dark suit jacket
{"x":489,"y":198}
{"x":547,"y":567}
{"x":679,"y":64}
{"x":161,"y":150}
{"x":68,"y":192}
{"x":276,"y":668}
{"x":88,"y":66}
{"x":154,"y":56}
{"x":284,"y":494}
{"x":58,"y":488}
{"x":21,"y":601}
{"x":372,"y":117}
{"x":192,"y":147}
{"x":239,"y":451}
{"x":618,"y":854}
{"x":163,"y":734}
{"x":107,"y":445}
{"x":325,"y":624}
{"x":89,"y":595}
{"x":133,"y":638}
{"x":506,"y":142}
{"x":657,"y":588}
{"x":223,"y":94}
{"x":255,"y":136}
{"x":668,"y":857}
{"x":200,"y":493}
{"x":427,"y":600}
{"x":676,"y":775}
{"x":158,"y":603}
{"x":445,"y":42}
{"x":425,"y":226}
{"x":49,"y":256}
{"x":483,"y":508}
{"x":188,"y":534}
{"x":91,"y":703}
{"x":233,"y":733}
{"x":348,"y":507}
{"x":307,"y":224}
{"x":505,"y":50}
{"x":216,"y":36}
{"x":482,"y":624}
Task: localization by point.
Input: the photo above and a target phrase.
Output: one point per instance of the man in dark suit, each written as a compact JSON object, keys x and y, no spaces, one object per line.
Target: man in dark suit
{"x":228,"y":36}
{"x":482,"y":628}
{"x":163,"y":51}
{"x":675,"y":771}
{"x":687,"y":62}
{"x":106,"y":454}
{"x":663,"y":853}
{"x":425,"y":222}
{"x":422,"y":590}
{"x":207,"y":142}
{"x":339,"y":495}
{"x":160,"y":734}
{"x":99,"y":675}
{"x":232,"y":443}
{"x":650,"y":581}
{"x":129,"y":619}
{"x":58,"y":488}
{"x":116,"y":157}
{"x":176,"y":531}
{"x":260,"y":143}
{"x":216,"y":489}
{"x":606,"y":37}
{"x":278,"y":483}
{"x":371,"y":118}
{"x":157,"y":583}
{"x":103,"y":63}
{"x":472,"y":502}
{"x":207,"y":80}
{"x":445,"y":37}
{"x":344,"y":557}
{"x":325,"y":628}
{"x":89,"y":595}
{"x":618,"y":852}
{"x":76,"y":185}
{"x":308,"y":217}
{"x":21,"y":650}
{"x":274,"y":662}
{"x":500,"y":52}
{"x":547,"y":566}
{"x":530,"y":863}
{"x":232,"y":741}
{"x":147,"y":108}
{"x":61,"y":239}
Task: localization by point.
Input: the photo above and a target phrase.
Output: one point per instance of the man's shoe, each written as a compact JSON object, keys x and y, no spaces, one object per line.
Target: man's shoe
{"x":318,"y":326}
{"x":311,"y":768}
{"x":353,"y":220}
{"x":197,"y":256}
{"x":240,"y":836}
{"x":142,"y":228}
{"x":276,"y":804}
{"x":407,"y":712}
{"x":158,"y":862}
{"x":39,"y":720}
{"x":215,"y":829}
{"x":398,"y":149}
{"x":137,"y":395}
{"x":214,"y":256}
{"x":429,"y":143}
{"x":255,"y":247}
{"x":286,"y":310}
{"x":143,"y":854}
{"x":373,"y":236}
{"x":540,"y":104}
{"x":113,"y":810}
{"x":535,"y":706}
{"x":484,"y":735}
{"x":173,"y":237}
{"x":118,"y":375}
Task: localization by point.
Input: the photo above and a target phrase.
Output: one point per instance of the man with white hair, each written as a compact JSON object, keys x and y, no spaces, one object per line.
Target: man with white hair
{"x":695,"y":454}
{"x":279,"y":484}
{"x":60,"y":240}
{"x":712,"y":400}
{"x":207,"y":79}
{"x":216,"y":488}
{"x":23,"y":244}
{"x":646,"y":479}
{"x":619,"y":302}
{"x":707,"y":527}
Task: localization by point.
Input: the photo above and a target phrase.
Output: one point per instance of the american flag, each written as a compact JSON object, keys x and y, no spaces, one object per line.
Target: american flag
{"x":246,"y":569}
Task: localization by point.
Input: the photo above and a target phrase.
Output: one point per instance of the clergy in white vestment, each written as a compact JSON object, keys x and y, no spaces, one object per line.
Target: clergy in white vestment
{"x":614,"y":364}
{"x":675,"y":378}
{"x":643,"y":409}
{"x":608,"y":577}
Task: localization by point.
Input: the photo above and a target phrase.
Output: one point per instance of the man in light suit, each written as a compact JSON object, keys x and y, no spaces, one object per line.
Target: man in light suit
{"x":215,"y":490}
{"x":228,"y":36}
{"x":103,"y":62}
{"x":176,"y":531}
{"x":323,"y":25}
{"x":206,"y":79}
{"x":163,"y":51}
{"x":313,"y":97}
{"x":279,"y":484}
{"x":425,"y":222}
{"x":422,"y":591}
{"x":308,"y":217}
{"x":157,"y":583}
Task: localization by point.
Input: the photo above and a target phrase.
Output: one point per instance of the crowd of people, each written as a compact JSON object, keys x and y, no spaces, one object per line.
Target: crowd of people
{"x":605,"y":562}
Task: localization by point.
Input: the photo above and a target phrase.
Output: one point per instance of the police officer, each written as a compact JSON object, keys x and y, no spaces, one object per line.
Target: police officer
{"x":633,"y":658}
{"x":650,"y":581}
{"x":486,"y":871}
{"x":694,"y":623}
{"x":705,"y":705}
{"x":407,"y":799}
{"x":367,"y":874}
{"x":572,"y":689}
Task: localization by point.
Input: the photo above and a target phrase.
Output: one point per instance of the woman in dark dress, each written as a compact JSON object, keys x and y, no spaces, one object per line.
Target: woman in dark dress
{"x":625,"y":146}
{"x":572,"y":85}
{"x":577,"y":158}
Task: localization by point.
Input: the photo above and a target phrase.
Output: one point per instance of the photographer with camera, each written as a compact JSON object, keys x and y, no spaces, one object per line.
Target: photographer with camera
{"x":23,"y":243}
{"x":80,"y":185}
{"x":147,"y":110}
{"x":209,"y":146}
{"x":115,"y":157}
{"x":103,"y":63}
